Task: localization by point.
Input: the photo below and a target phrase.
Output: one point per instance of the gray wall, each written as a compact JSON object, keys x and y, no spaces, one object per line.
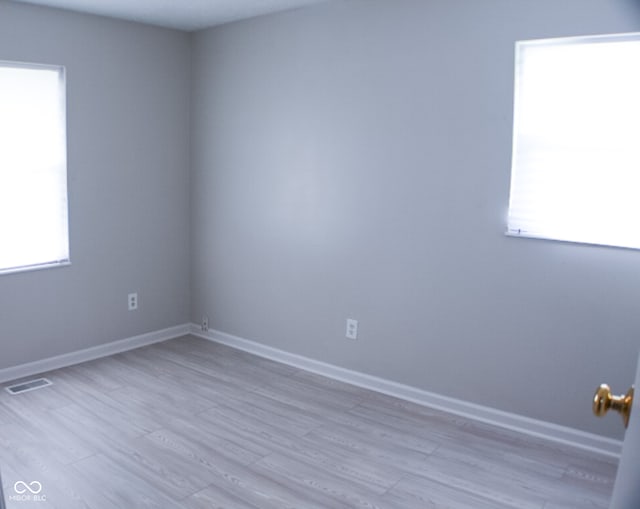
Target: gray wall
{"x":352,"y":160}
{"x":128,"y":163}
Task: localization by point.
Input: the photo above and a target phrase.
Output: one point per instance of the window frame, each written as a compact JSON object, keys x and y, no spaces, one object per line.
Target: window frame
{"x":516,"y":227}
{"x":62,"y":171}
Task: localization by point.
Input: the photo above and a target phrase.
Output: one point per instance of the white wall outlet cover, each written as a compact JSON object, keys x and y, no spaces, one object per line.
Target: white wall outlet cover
{"x":352,"y":329}
{"x":132,"y":300}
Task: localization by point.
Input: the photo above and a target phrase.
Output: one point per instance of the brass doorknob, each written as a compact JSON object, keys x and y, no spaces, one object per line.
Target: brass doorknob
{"x":603,"y":400}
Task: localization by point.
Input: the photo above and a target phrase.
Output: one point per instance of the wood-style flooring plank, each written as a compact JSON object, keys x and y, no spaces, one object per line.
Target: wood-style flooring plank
{"x":191,"y":424}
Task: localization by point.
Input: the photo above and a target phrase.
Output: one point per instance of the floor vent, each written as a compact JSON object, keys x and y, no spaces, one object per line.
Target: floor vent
{"x":30,"y":385}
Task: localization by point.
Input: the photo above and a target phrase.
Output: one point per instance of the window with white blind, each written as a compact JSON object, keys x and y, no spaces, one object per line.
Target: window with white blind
{"x":576,"y":142}
{"x":33,"y":167}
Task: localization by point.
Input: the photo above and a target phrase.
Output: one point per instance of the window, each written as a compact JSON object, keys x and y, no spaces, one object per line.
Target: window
{"x":576,"y":143}
{"x":33,"y":167}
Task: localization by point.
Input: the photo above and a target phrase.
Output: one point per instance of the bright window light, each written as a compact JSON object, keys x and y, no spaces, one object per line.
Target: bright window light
{"x":33,"y":167}
{"x":576,"y":143}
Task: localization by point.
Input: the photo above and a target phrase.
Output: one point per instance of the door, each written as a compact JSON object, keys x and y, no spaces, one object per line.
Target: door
{"x":626,"y":490}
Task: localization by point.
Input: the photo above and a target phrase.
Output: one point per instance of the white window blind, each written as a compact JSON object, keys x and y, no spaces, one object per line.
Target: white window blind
{"x":576,"y":143}
{"x":33,"y":167}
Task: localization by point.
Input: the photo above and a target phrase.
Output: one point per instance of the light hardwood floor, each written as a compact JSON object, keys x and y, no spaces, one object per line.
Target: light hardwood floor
{"x":191,"y":424}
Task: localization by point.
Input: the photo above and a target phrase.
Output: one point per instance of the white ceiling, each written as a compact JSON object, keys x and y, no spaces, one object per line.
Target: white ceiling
{"x":180,"y":14}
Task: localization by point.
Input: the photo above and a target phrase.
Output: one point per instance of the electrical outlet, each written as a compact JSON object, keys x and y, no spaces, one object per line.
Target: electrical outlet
{"x":352,"y":329}
{"x":205,"y":323}
{"x":133,"y":301}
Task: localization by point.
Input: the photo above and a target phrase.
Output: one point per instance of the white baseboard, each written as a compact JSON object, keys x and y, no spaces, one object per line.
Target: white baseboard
{"x":88,"y":354}
{"x":515,"y":422}
{"x":533,"y":427}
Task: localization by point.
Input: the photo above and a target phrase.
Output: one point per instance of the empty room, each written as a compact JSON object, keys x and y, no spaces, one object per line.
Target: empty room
{"x":306,"y":254}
